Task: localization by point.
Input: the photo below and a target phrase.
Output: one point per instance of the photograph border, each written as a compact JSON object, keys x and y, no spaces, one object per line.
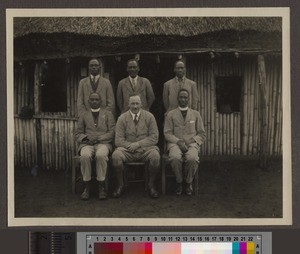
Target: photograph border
{"x":286,"y":133}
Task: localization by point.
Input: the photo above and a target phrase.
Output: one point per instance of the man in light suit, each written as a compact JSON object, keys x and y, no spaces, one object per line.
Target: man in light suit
{"x":184,"y":133}
{"x":95,"y":132}
{"x":95,"y":84}
{"x":136,"y":139}
{"x":172,"y":87}
{"x":132,"y":85}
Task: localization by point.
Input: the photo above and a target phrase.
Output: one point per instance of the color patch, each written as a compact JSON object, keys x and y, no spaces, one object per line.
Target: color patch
{"x":137,"y":248}
{"x":166,"y":248}
{"x":206,"y":248}
{"x":235,"y":248}
{"x":108,"y":248}
{"x":243,"y":248}
{"x":250,"y":247}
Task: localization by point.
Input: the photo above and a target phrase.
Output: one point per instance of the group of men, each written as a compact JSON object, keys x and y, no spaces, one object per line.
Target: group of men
{"x":135,"y":135}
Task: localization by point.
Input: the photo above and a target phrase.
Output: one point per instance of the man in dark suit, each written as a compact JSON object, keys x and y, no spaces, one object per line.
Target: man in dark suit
{"x":94,"y":83}
{"x":132,"y":85}
{"x":94,"y":134}
{"x":184,"y":133}
{"x":136,"y":139}
{"x":172,"y":87}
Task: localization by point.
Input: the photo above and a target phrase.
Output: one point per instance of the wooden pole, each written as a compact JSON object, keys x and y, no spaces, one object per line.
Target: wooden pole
{"x":231,"y":134}
{"x":244,"y":115}
{"x":263,"y":106}
{"x":213,"y":109}
{"x":217,"y":136}
{"x":37,"y":111}
{"x":278,"y":122}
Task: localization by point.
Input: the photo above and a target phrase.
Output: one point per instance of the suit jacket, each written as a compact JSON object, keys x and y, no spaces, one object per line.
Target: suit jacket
{"x":145,"y":132}
{"x":190,"y":130}
{"x":104,"y":131}
{"x":143,"y":88}
{"x":104,"y":89}
{"x":170,"y":93}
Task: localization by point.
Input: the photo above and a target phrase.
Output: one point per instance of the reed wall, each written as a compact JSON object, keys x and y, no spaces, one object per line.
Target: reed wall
{"x":237,"y":133}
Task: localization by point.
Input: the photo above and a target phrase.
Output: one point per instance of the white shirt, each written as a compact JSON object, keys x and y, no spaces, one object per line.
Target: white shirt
{"x":133,"y":115}
{"x":96,"y":77}
{"x":183,"y":79}
{"x":135,"y":79}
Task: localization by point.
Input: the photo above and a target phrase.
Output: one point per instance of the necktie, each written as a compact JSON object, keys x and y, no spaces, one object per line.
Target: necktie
{"x":94,"y":83}
{"x":133,"y":84}
{"x":136,"y":119}
{"x":180,"y":81}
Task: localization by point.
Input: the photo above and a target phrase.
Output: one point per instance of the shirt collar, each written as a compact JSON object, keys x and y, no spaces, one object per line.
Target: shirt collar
{"x":95,"y":110}
{"x":135,"y":79}
{"x":133,"y":115}
{"x":96,"y":77}
{"x":183,"y":109}
{"x":183,"y":78}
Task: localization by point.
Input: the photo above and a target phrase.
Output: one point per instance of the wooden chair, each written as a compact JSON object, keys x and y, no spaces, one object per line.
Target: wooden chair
{"x":135,"y":164}
{"x":164,"y":174}
{"x":76,"y":174}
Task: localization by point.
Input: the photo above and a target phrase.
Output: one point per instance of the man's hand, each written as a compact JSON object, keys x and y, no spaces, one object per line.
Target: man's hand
{"x":133,"y":146}
{"x":182,"y":146}
{"x":87,"y":142}
{"x":93,"y":138}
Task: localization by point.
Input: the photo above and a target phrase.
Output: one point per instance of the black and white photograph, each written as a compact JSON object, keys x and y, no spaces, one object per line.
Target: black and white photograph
{"x":149,"y":117}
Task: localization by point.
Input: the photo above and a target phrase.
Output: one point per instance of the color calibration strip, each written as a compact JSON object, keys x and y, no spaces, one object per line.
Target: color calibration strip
{"x":174,"y":248}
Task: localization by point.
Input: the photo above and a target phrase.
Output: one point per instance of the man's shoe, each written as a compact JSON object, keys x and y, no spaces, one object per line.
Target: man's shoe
{"x":179,"y":189}
{"x":102,"y":193}
{"x":85,"y":194}
{"x":189,"y":189}
{"x":118,"y":192}
{"x":153,"y":192}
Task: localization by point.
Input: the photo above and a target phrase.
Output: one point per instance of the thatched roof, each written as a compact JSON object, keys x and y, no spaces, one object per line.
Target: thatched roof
{"x":60,"y":37}
{"x":131,"y":26}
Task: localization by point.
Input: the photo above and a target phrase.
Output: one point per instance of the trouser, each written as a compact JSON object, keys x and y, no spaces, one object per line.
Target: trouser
{"x":100,"y":153}
{"x":190,"y":159}
{"x":151,"y":156}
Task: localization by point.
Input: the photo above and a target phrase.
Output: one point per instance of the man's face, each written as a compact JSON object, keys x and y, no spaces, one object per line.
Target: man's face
{"x":179,"y":69}
{"x":95,"y":101}
{"x":135,"y":104}
{"x":183,"y":99}
{"x":94,"y":67}
{"x":133,"y":69}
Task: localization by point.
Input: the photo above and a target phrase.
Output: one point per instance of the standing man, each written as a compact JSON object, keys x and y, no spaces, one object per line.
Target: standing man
{"x":95,"y":132}
{"x":94,"y":83}
{"x":171,"y":88}
{"x":184,"y":133}
{"x":132,"y":85}
{"x":136,"y":139}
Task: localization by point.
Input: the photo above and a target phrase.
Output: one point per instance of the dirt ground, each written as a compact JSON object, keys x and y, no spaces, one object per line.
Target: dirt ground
{"x":236,"y":189}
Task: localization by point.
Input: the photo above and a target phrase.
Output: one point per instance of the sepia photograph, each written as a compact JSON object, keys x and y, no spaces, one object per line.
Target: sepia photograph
{"x":151,"y":117}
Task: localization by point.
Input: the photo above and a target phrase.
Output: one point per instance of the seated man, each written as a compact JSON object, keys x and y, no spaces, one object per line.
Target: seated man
{"x":184,"y":133}
{"x":136,"y":139}
{"x":95,"y":132}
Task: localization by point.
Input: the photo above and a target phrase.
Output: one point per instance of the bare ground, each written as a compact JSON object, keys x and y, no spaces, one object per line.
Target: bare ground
{"x":230,"y":189}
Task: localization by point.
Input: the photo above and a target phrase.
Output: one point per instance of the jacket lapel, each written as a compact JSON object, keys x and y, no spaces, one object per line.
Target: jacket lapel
{"x":128,"y":85}
{"x":89,"y":118}
{"x":141,"y":123}
{"x":188,"y":116}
